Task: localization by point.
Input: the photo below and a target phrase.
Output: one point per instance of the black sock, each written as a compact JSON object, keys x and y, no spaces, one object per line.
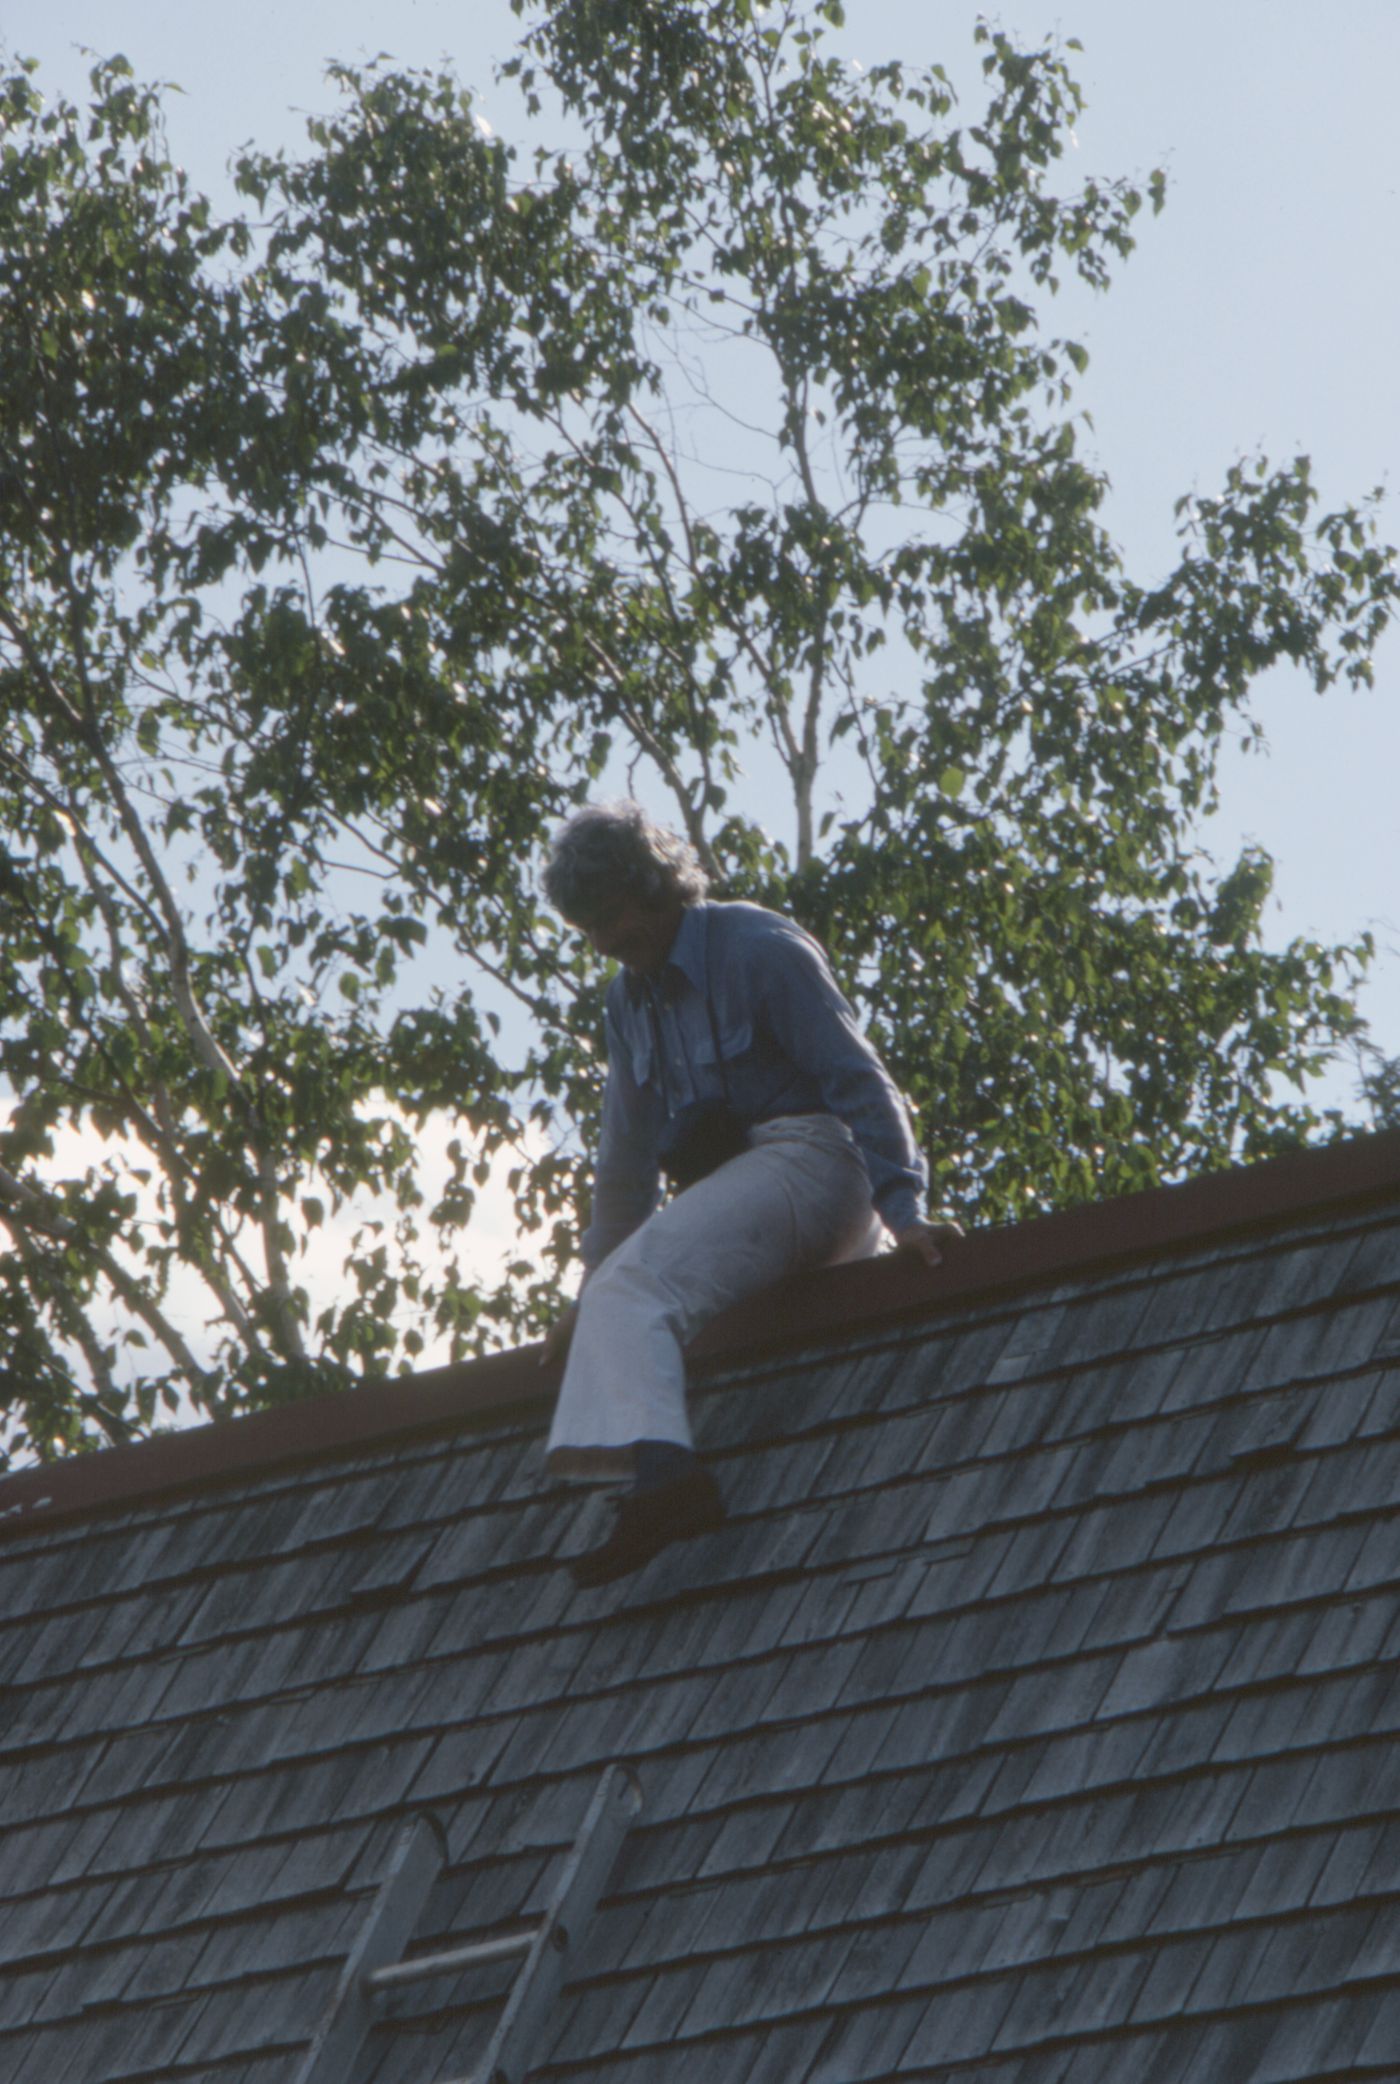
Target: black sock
{"x":656,"y":1462}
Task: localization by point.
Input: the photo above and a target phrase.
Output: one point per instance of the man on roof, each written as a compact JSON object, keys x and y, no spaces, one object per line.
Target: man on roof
{"x":736,"y":1073}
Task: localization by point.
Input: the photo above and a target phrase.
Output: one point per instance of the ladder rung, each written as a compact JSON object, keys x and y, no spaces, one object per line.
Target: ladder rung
{"x":376,"y":1960}
{"x":508,"y":1948}
{"x":581,"y":1881}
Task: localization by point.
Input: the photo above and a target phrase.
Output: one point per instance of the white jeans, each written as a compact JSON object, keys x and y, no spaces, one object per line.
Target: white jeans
{"x":799,"y":1196}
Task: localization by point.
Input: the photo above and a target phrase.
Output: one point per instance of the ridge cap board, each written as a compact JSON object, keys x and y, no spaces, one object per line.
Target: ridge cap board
{"x":894,"y":1288}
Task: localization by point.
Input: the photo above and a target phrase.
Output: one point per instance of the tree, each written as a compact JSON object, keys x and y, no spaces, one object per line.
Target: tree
{"x":346,"y":543}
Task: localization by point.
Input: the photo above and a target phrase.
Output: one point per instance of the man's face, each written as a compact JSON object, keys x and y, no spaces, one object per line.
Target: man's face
{"x":637,"y":935}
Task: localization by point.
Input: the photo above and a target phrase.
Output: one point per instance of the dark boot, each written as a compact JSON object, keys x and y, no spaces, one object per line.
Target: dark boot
{"x":648,"y":1519}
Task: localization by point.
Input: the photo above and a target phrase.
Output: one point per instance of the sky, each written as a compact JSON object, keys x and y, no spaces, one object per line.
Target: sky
{"x":1261,"y":312}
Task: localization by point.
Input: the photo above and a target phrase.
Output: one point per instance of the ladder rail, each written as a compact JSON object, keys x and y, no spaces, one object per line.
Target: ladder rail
{"x":398,"y":1905}
{"x":617,"y":1801}
{"x":546,"y":1948}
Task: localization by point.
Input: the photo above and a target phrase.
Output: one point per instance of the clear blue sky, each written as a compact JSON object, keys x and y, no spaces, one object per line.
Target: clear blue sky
{"x":1261,"y":311}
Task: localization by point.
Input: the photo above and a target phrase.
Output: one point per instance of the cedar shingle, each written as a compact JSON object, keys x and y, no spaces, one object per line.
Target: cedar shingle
{"x":1043,"y":1687}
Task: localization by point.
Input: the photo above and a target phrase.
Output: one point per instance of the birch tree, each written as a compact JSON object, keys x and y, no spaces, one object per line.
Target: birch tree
{"x":729,"y":455}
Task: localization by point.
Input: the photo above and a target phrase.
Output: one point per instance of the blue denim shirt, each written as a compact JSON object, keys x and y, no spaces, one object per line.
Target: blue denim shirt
{"x":789,"y":1044}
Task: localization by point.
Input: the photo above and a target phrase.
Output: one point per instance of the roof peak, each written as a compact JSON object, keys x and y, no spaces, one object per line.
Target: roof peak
{"x":821,"y":1306}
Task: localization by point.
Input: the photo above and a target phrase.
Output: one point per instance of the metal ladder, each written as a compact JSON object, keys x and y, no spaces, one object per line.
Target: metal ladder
{"x":376,"y":1964}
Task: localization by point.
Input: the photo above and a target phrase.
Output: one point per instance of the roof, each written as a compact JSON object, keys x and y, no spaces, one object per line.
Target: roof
{"x":1034,"y":1718}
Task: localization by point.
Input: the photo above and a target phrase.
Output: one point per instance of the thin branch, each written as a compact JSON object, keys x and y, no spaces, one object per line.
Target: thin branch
{"x":208,"y":1050}
{"x":75,"y":1324}
{"x":408,"y":872}
{"x":25,"y":1213}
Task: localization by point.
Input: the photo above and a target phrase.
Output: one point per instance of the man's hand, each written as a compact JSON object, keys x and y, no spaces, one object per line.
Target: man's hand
{"x":927,"y":1240}
{"x":558,"y":1338}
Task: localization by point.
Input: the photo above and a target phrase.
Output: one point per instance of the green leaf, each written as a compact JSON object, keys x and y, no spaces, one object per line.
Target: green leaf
{"x":359,"y":533}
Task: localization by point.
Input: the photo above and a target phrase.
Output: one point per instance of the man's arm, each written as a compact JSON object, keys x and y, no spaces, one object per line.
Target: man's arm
{"x":627,"y":1179}
{"x":816,"y":1028}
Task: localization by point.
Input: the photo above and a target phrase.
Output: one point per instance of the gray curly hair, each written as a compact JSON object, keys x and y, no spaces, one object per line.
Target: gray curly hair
{"x":607,"y":851}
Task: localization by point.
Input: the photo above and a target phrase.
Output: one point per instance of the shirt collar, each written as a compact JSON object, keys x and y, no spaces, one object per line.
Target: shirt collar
{"x":688,"y":953}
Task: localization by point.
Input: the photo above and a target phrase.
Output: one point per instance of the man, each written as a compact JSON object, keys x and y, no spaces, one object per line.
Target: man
{"x":729,"y":1048}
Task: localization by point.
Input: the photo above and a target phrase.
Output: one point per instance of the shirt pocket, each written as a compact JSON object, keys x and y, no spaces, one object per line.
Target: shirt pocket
{"x":735,"y":1038}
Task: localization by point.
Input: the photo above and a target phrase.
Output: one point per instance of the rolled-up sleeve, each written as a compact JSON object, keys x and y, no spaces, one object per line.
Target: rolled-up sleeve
{"x":627,"y":1180}
{"x":814,"y":1026}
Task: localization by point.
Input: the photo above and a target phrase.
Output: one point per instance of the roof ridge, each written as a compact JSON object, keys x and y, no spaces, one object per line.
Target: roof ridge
{"x":807,"y":1308}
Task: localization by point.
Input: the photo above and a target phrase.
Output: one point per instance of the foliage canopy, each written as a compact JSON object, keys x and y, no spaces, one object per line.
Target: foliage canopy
{"x":347,"y":539}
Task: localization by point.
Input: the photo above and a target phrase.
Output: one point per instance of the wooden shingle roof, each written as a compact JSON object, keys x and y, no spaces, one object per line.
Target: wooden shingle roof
{"x":1034,"y":1719}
